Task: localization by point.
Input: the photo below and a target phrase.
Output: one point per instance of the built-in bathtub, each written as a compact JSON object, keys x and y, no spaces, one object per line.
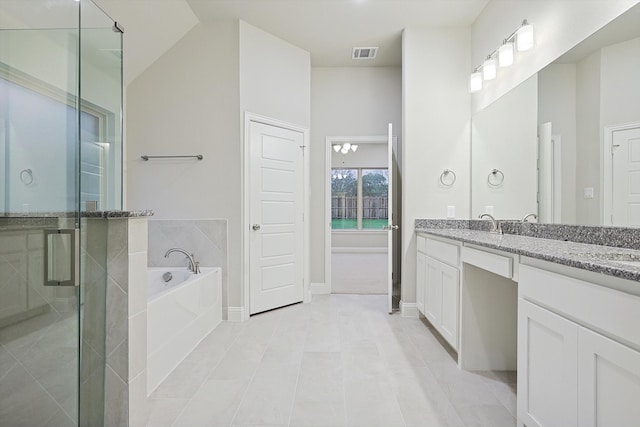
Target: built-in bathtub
{"x":180,"y":313}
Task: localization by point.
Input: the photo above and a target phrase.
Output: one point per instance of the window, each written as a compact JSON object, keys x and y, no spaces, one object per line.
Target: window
{"x":359,"y":198}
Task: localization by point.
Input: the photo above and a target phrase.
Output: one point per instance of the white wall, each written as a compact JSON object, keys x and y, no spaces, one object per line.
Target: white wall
{"x":188,"y":102}
{"x":275,"y":77}
{"x":559,"y":25}
{"x":346,"y":102}
{"x":588,"y":139}
{"x":504,"y":137}
{"x":192,"y":101}
{"x":557,"y":104}
{"x":619,"y":73}
{"x":436,"y":131}
{"x":368,"y":155}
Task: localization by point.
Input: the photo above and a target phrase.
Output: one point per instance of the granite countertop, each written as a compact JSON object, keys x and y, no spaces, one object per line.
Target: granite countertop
{"x":609,"y":260}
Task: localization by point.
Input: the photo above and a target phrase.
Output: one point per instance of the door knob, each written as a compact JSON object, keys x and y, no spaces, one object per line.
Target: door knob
{"x":256,"y":227}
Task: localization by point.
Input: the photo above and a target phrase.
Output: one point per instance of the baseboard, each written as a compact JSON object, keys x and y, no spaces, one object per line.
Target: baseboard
{"x":235,"y":314}
{"x":409,"y":309}
{"x":358,"y":250}
{"x":319,"y":289}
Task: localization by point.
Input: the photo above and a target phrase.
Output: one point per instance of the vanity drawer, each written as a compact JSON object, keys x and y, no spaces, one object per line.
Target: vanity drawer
{"x":611,"y":312}
{"x":421,"y":244}
{"x":498,"y":264}
{"x":443,"y":251}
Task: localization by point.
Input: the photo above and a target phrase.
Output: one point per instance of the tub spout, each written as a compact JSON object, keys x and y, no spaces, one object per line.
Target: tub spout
{"x":194,"y":266}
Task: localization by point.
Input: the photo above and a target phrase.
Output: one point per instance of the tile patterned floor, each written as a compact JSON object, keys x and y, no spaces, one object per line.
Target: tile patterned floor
{"x":339,"y":361}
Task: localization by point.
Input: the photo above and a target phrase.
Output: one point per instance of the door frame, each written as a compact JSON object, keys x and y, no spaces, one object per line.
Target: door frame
{"x":329,"y":141}
{"x":607,"y":168}
{"x":246,"y":207}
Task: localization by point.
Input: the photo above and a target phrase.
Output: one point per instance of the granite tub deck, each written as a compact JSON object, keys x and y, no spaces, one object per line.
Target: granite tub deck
{"x":611,"y":260}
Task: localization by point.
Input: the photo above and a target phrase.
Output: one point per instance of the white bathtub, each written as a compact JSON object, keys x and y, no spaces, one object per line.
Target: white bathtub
{"x":180,"y":314}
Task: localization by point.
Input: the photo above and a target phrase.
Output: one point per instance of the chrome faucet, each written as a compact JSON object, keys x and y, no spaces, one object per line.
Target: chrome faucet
{"x":495,"y":224}
{"x":194,"y":266}
{"x":524,"y":219}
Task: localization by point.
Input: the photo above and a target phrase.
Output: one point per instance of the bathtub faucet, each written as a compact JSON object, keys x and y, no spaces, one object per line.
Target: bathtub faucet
{"x":194,"y":266}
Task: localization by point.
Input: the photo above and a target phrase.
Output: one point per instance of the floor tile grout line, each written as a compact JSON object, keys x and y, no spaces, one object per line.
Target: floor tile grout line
{"x":244,"y":395}
{"x":173,"y":424}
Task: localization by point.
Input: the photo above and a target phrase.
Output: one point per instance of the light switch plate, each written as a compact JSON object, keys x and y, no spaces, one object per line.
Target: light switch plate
{"x":488,"y":209}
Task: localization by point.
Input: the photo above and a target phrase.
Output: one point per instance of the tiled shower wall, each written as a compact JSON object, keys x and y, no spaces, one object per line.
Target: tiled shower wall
{"x":205,"y":238}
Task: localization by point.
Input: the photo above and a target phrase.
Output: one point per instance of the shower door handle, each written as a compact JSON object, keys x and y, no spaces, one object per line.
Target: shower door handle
{"x":61,"y":257}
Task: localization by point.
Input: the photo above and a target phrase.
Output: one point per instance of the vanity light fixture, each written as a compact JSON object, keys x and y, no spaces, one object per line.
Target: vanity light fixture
{"x":524,"y":37}
{"x":503,"y":56}
{"x":475,"y":82}
{"x":345,"y":148}
{"x":489,"y":68}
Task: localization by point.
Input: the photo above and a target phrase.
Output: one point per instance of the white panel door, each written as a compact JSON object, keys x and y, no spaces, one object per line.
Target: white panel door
{"x":276,"y":217}
{"x":626,"y":177}
{"x":391,"y":226}
{"x":547,"y":371}
{"x":609,"y":382}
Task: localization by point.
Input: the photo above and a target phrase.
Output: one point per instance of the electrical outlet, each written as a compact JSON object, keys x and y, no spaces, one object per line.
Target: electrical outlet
{"x":451,"y":211}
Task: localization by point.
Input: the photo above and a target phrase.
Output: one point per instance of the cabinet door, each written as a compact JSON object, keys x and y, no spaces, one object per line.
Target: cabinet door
{"x":433,"y":292}
{"x":608,"y":381}
{"x":547,"y":368}
{"x":421,"y":271}
{"x":450,"y":302}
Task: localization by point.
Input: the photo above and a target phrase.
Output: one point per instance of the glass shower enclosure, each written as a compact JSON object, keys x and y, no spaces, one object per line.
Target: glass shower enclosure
{"x":60,"y":166}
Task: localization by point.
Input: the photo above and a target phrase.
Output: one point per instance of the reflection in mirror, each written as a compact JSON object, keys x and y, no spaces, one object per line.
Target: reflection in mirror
{"x":589,"y":117}
{"x":503,"y":153}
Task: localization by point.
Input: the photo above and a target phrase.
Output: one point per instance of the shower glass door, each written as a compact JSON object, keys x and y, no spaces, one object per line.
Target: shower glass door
{"x":60,"y":142}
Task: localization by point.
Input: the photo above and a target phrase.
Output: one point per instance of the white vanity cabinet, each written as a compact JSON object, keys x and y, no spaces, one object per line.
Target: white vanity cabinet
{"x":578,"y":358}
{"x":438,"y":285}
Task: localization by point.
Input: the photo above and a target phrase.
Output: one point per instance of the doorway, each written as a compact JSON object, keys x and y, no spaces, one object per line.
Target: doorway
{"x":360,"y":235}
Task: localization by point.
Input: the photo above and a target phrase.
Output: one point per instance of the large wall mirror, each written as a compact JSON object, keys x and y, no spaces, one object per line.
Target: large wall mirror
{"x":565,"y":144}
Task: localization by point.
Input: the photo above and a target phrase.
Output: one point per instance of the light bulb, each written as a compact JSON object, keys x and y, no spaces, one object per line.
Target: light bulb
{"x":354,"y":147}
{"x":475,"y":82}
{"x":489,"y":69}
{"x":344,"y":149}
{"x":505,"y":54}
{"x":346,"y":146}
{"x":524,"y":36}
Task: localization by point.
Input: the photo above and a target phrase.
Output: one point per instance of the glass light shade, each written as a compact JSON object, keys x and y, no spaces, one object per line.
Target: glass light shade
{"x":344,"y":149}
{"x":354,"y":147}
{"x":505,"y":55}
{"x":524,"y":37}
{"x":336,"y":148}
{"x":475,"y":82}
{"x":489,"y":69}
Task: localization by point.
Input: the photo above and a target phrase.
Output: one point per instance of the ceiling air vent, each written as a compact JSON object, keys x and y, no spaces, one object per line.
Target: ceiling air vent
{"x":364,"y":53}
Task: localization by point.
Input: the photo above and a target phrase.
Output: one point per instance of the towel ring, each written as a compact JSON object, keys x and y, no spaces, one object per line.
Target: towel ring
{"x":445,"y":173}
{"x":26,"y":176}
{"x":495,"y":178}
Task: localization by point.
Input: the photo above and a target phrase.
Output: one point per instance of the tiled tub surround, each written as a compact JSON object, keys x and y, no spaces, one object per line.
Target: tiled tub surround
{"x":205,"y":238}
{"x":126,"y":321}
{"x":616,"y":251}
